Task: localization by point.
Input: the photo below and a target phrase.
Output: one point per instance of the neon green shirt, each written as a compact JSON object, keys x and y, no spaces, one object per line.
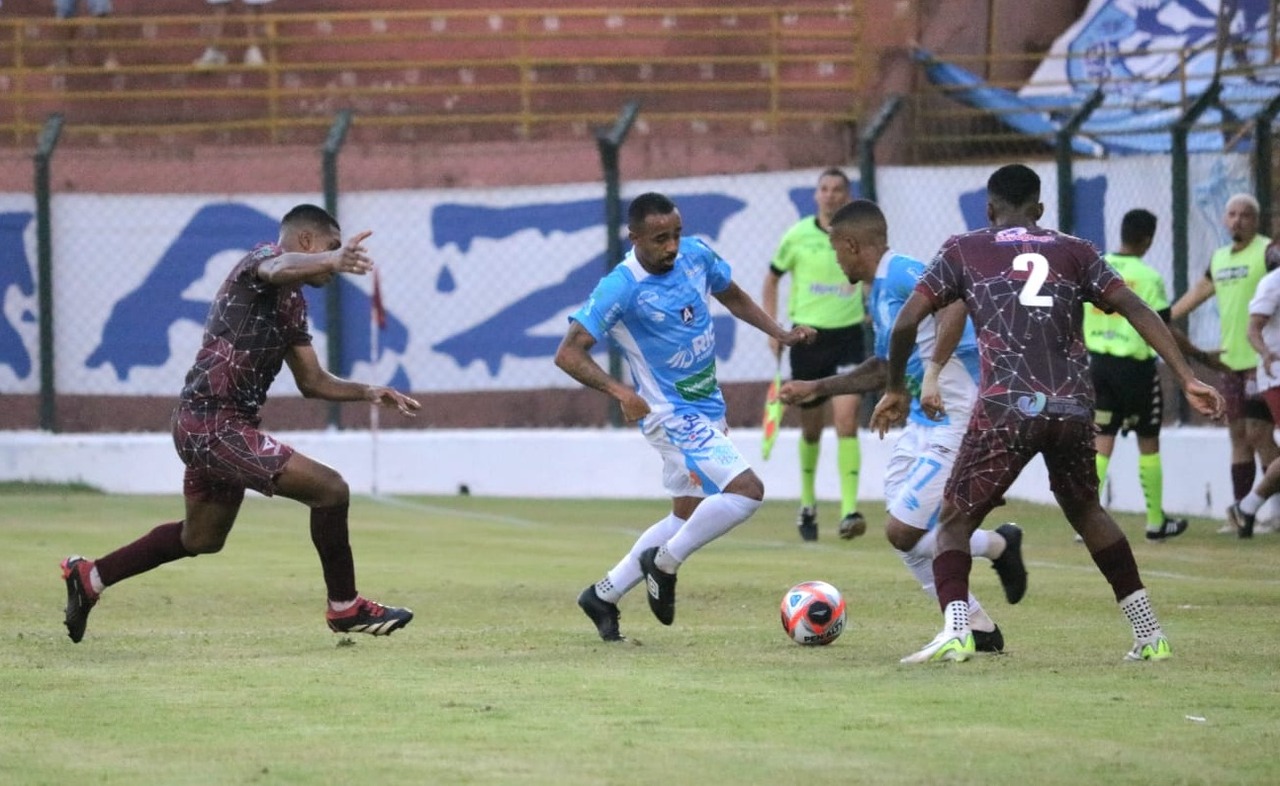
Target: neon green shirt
{"x":821,"y":296}
{"x":1235,"y":277}
{"x":1111,"y":334}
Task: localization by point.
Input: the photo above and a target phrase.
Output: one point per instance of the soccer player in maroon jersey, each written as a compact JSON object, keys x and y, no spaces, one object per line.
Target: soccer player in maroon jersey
{"x":1025,"y":287}
{"x":257,"y":323}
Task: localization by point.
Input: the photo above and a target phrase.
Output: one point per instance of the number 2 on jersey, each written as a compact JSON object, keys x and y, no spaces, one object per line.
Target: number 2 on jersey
{"x":1039,"y":267}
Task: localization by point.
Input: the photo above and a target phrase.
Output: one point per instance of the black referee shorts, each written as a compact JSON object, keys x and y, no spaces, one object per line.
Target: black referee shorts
{"x":834,"y":351}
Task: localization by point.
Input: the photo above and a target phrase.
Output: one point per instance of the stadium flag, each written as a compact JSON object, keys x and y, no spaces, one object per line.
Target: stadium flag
{"x":772,"y":413}
{"x":379,"y":313}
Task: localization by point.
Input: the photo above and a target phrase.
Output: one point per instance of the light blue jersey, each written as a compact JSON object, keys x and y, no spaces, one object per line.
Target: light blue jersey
{"x":895,"y":280}
{"x":662,"y":323}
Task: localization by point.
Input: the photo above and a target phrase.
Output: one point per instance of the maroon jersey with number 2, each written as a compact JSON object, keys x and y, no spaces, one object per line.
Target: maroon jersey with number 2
{"x":1025,"y":289}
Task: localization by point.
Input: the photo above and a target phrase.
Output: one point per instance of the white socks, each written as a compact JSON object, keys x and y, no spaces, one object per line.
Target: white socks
{"x":956,"y":617}
{"x":714,"y":516}
{"x":919,"y":560}
{"x":1137,"y":608}
{"x":1252,"y":503}
{"x":626,"y":574}
{"x":677,"y":539}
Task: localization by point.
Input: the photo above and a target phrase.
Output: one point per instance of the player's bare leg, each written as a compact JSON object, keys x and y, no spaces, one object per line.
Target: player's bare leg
{"x":951,"y":568}
{"x":1114,"y":557}
{"x":203,"y":531}
{"x":322,"y":489}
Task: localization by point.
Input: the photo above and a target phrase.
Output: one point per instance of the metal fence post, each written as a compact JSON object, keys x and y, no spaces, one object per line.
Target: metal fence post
{"x":608,"y":141}
{"x":1066,"y":169}
{"x":333,"y":293}
{"x":1262,"y":162}
{"x":48,"y":140}
{"x":1181,"y":186}
{"x":867,"y":145}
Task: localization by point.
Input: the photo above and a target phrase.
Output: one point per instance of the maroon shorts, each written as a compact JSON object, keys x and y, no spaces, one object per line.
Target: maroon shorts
{"x":225,"y":453}
{"x":989,"y":461}
{"x":1240,"y":395}
{"x":1272,"y":397}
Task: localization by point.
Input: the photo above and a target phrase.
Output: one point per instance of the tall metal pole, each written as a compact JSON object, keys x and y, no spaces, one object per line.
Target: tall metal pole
{"x":608,"y":142}
{"x":46,"y":144}
{"x":867,"y":144}
{"x":1066,"y":169}
{"x":333,"y":293}
{"x":1262,"y":140}
{"x":1181,"y":185}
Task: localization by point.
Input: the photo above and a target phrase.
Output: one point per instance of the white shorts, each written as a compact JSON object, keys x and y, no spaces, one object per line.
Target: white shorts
{"x":918,"y":470}
{"x":697,"y":458}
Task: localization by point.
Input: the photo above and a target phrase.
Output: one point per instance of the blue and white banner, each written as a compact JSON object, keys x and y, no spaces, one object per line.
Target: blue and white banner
{"x":477,"y":283}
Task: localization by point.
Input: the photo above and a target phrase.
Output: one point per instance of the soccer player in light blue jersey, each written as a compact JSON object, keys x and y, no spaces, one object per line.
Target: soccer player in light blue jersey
{"x":655,"y":306}
{"x":923,"y":456}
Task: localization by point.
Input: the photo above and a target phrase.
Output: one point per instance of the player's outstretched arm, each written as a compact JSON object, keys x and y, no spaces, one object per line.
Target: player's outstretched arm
{"x":1204,"y":398}
{"x":574,"y":358}
{"x":865,"y":377}
{"x":769,"y":302}
{"x":318,"y":268}
{"x":1193,"y":297}
{"x":744,"y":308}
{"x":314,"y":381}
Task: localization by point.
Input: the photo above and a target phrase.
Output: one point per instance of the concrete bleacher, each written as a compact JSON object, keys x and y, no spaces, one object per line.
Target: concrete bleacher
{"x":469,"y":71}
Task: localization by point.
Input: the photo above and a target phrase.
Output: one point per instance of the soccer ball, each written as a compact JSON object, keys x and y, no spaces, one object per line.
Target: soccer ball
{"x":813,"y":613}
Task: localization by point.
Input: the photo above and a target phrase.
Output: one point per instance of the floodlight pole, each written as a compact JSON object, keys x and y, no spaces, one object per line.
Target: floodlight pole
{"x":608,"y":142}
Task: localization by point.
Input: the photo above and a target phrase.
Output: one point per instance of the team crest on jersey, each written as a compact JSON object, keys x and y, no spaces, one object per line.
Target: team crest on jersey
{"x":648,"y":303}
{"x":686,"y":315}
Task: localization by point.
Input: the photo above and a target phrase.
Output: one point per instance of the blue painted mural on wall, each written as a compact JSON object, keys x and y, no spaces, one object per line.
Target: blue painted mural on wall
{"x":136,"y":332}
{"x":507,"y":333}
{"x":15,"y":271}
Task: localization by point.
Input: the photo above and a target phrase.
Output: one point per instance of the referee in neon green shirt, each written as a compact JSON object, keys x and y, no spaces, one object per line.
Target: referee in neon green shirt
{"x":822,"y":298}
{"x":1125,"y":378}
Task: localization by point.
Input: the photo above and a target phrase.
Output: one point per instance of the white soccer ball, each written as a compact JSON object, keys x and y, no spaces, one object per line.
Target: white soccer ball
{"x":813,"y":613}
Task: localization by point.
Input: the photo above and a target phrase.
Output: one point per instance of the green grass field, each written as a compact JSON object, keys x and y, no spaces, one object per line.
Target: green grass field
{"x":220,"y":670}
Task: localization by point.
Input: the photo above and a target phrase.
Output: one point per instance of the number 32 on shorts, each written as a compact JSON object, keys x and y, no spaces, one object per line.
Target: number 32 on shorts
{"x":1039,"y":267}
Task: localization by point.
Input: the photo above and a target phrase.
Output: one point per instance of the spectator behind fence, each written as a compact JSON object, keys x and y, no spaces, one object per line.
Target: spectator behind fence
{"x":214,"y":55}
{"x":1232,"y":277}
{"x":66,"y":9}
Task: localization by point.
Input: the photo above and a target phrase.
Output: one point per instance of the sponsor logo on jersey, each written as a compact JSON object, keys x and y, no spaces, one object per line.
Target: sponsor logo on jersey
{"x":1234,"y":273}
{"x":686,"y":315}
{"x":1032,"y":405}
{"x":698,"y":386}
{"x":1021,"y":235}
{"x":702,"y":347}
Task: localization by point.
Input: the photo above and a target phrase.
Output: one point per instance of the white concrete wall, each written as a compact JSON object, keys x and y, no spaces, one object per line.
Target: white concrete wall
{"x":575,"y":463}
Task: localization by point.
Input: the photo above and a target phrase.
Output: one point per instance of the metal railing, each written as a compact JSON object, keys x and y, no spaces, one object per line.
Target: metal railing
{"x":461,"y":75}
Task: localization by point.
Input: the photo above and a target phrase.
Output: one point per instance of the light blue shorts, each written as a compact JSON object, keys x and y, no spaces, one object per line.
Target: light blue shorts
{"x":697,"y":457}
{"x":65,"y":9}
{"x":918,"y":470}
